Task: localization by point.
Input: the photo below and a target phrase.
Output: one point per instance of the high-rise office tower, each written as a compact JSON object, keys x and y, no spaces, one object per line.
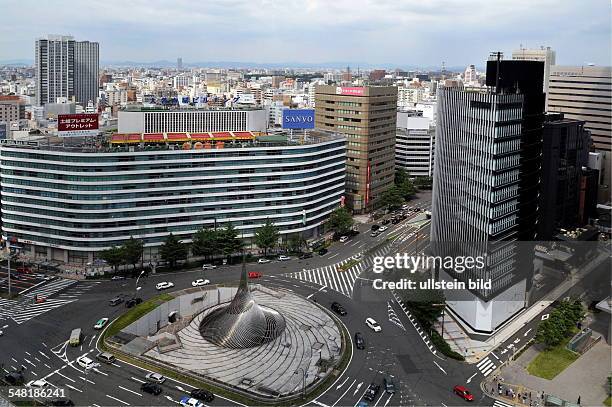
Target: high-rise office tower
{"x":179,"y":63}
{"x":585,"y":93}
{"x":486,"y":178}
{"x":414,"y":144}
{"x":66,"y":68}
{"x":367,"y":117}
{"x":546,"y":55}
{"x":565,"y":152}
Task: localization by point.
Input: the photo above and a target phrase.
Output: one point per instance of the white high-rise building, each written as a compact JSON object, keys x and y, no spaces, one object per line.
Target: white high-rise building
{"x":469,"y":76}
{"x":414,"y":144}
{"x":66,"y":68}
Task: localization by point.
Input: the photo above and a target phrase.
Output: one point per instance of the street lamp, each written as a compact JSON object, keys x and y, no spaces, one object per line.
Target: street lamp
{"x":138,"y":278}
{"x":443,"y":306}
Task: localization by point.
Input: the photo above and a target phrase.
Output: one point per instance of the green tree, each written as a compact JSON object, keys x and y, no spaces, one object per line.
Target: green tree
{"x":206,"y":243}
{"x":426,"y":305}
{"x":340,"y":220}
{"x":423,"y":182}
{"x":113,"y":257}
{"x":132,"y":252}
{"x":407,"y":190}
{"x":561,"y":323}
{"x":392,"y":198}
{"x":229,"y":241}
{"x":173,"y":250}
{"x":296,"y":242}
{"x":266,"y":237}
{"x":401,"y":176}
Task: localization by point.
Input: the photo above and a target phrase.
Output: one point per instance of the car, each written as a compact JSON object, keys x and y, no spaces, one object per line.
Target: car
{"x":338,"y":309}
{"x":375,"y":227}
{"x":282,"y":257}
{"x":405,"y":206}
{"x":202,"y":394}
{"x":14,"y":378}
{"x":463,"y":393}
{"x":371,"y":392}
{"x":151,"y":388}
{"x":395,"y":221}
{"x":132,"y":301}
{"x":362,"y":404}
{"x":382,"y":228}
{"x":207,"y":266}
{"x":105,"y":357}
{"x":115,"y":301}
{"x":359,"y":341}
{"x":25,"y":270}
{"x":86,"y":363}
{"x":101,"y":323}
{"x":62,"y":402}
{"x":200,"y":282}
{"x":116,"y":278}
{"x":389,"y":385}
{"x":373,"y":325}
{"x":323,"y":251}
{"x":263,"y":260}
{"x":417,"y":209}
{"x":254,"y":274}
{"x":306,"y":255}
{"x":163,"y":285}
{"x":155,"y":377}
{"x":37,"y":384}
{"x":191,"y":402}
{"x":386,"y":222}
{"x":375,"y":233}
{"x":1,"y":332}
{"x":344,"y":239}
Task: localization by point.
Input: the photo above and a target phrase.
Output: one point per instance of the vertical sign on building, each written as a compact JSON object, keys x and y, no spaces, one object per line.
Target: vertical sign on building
{"x":367,"y":195}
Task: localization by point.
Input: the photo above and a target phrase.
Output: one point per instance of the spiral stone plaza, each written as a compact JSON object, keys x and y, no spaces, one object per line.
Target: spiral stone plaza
{"x":267,"y":343}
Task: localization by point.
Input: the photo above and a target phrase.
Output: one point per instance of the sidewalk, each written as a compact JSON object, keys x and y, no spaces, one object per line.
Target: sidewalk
{"x":585,"y":378}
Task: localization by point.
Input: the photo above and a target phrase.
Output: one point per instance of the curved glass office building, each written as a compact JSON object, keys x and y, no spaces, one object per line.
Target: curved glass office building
{"x":66,"y":203}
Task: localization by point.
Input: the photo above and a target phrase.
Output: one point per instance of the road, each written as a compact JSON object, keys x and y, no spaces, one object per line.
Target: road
{"x":36,"y":335}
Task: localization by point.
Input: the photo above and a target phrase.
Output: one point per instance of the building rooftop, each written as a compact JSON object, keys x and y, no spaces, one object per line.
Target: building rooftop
{"x":183,"y":108}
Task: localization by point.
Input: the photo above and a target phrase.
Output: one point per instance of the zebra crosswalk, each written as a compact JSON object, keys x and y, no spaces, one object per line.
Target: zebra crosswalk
{"x":6,"y":307}
{"x":486,"y":366}
{"x":499,"y":403}
{"x":337,"y":277}
{"x":48,"y":290}
{"x":30,"y":311}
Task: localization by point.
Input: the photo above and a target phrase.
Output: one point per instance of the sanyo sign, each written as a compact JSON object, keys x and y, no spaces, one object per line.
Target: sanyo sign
{"x":298,"y":119}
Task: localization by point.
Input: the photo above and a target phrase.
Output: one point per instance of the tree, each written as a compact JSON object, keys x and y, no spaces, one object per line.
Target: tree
{"x":132,"y":252}
{"x":423,"y":182}
{"x":561,"y":323}
{"x":229,"y":241}
{"x":113,"y":257}
{"x":266,"y":237}
{"x":340,"y":220}
{"x":173,"y":250}
{"x":296,"y":242}
{"x":205,"y":243}
{"x":401,"y":176}
{"x":392,"y":198}
{"x":426,"y":305}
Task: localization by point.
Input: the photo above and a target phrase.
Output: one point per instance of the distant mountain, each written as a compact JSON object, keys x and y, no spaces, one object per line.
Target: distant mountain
{"x":257,"y":65}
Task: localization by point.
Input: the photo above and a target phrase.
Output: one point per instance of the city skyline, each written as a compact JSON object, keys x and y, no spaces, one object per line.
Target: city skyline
{"x":289,"y":33}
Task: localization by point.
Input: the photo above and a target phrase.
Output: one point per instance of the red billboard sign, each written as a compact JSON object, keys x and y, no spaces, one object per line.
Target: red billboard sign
{"x":350,"y":91}
{"x":81,"y":124}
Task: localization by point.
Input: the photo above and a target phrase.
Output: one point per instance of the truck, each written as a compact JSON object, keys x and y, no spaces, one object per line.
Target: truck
{"x":75,"y":337}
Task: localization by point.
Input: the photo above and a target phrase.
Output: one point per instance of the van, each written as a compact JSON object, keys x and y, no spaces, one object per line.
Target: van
{"x":105,"y":357}
{"x":75,"y":337}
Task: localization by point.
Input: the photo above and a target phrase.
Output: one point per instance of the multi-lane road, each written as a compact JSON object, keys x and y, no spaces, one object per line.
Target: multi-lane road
{"x":35,"y":335}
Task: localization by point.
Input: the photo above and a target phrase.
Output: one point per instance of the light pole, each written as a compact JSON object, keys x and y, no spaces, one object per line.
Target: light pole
{"x":303,"y":380}
{"x":138,"y":288}
{"x":443,"y":306}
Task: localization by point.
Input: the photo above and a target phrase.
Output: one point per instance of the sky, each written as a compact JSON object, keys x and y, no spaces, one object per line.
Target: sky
{"x":382,"y":33}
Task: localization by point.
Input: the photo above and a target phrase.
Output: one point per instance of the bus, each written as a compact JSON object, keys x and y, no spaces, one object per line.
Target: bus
{"x":75,"y":337}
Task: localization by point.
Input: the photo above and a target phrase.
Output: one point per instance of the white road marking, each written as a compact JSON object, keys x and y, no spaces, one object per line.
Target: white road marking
{"x":388,"y":400}
{"x":74,"y":388}
{"x":527,"y":331}
{"x":381,"y":396}
{"x":331,"y":257}
{"x":131,"y":391}
{"x":47,"y":366}
{"x":345,"y":391}
{"x":440,"y":367}
{"x":91,"y":340}
{"x":86,"y":380}
{"x":471,"y":377}
{"x":342,"y":384}
{"x":138,"y":380}
{"x":357,"y":389}
{"x":66,"y":377}
{"x":494,"y":355}
{"x":120,"y":401}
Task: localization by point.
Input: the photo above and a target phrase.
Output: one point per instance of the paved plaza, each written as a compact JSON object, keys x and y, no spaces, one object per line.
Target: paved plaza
{"x":269,"y":370}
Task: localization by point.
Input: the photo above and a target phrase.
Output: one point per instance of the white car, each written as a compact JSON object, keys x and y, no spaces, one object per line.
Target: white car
{"x":101,"y":323}
{"x":1,"y":332}
{"x":38,"y":384}
{"x":163,"y":285}
{"x":344,"y":239}
{"x":200,"y":282}
{"x":86,"y":363}
{"x":404,"y":207}
{"x":191,"y":402}
{"x":155,"y":378}
{"x":263,"y":260}
{"x":373,"y":325}
{"x":282,"y":257}
{"x":382,"y":228}
{"x":208,"y":266}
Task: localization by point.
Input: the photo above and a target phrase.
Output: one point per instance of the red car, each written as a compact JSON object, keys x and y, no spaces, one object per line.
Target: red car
{"x":25,"y":270}
{"x":463,"y":393}
{"x":254,"y":274}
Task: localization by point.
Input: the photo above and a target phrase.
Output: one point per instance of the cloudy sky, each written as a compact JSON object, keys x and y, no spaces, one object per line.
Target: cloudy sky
{"x":378,"y":32}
